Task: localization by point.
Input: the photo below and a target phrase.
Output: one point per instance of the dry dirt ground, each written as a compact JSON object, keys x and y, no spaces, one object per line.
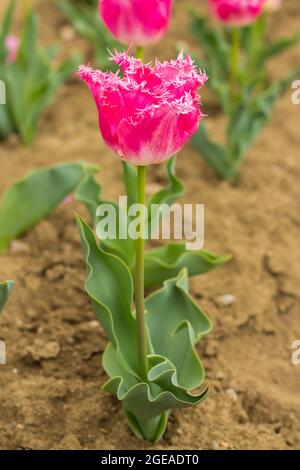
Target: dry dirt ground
{"x":50,"y":394}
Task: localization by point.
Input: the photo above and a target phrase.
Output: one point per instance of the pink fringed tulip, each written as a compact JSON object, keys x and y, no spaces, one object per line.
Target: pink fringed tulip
{"x":147,"y":115}
{"x":12,"y":45}
{"x":140,"y":22}
{"x":236,"y":12}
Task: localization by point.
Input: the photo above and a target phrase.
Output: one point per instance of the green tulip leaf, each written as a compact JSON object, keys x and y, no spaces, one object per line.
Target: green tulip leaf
{"x":35,"y":196}
{"x":31,"y":80}
{"x":250,"y":117}
{"x":5,"y":289}
{"x":148,"y":405}
{"x":109,"y":286}
{"x":174,"y":323}
{"x":173,"y":191}
{"x":213,"y":42}
{"x":89,"y":193}
{"x":278,"y":47}
{"x":167,"y":261}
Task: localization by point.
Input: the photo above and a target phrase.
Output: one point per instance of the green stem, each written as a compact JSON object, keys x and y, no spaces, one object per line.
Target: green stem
{"x":234,"y":76}
{"x":139,"y":276}
{"x":140,"y":52}
{"x":257,"y":38}
{"x":234,"y":62}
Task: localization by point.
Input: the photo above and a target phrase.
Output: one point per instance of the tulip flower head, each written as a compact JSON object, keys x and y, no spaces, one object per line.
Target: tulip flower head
{"x":12,"y":46}
{"x":140,"y":22}
{"x":147,"y":115}
{"x":236,"y":12}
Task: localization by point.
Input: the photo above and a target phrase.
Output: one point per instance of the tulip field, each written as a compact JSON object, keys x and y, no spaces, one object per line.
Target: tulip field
{"x":149,"y":225}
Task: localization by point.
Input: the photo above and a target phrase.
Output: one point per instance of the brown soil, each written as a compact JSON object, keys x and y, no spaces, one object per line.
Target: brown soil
{"x":50,"y":394}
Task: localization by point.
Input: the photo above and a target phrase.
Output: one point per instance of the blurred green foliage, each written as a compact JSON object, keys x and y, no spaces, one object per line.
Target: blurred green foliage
{"x":250,"y":100}
{"x":84,"y":17}
{"x":30,"y":81}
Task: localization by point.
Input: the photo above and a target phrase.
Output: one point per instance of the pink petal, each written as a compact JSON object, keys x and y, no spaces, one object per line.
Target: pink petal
{"x":12,"y":45}
{"x":236,"y":12}
{"x":136,"y":21}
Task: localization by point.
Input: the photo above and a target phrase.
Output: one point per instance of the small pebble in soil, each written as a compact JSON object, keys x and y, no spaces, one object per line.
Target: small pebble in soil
{"x":18,"y":247}
{"x":32,"y":282}
{"x":231,"y":393}
{"x":277,"y":427}
{"x":103,"y":430}
{"x":225,"y":300}
{"x":269,"y":329}
{"x":41,"y":349}
{"x":224,"y":444}
{"x":31,"y":313}
{"x":69,"y":442}
{"x":67,"y":33}
{"x":15,"y":371}
{"x":211,"y":349}
{"x":220,"y":375}
{"x":273,"y":264}
{"x":290,"y":420}
{"x":56,"y":273}
{"x":285,"y":304}
{"x":214,"y":445}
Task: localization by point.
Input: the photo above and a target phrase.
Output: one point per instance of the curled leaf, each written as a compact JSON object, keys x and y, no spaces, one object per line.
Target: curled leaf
{"x":35,"y":196}
{"x":110,"y":288}
{"x":167,"y":261}
{"x":174,"y":323}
